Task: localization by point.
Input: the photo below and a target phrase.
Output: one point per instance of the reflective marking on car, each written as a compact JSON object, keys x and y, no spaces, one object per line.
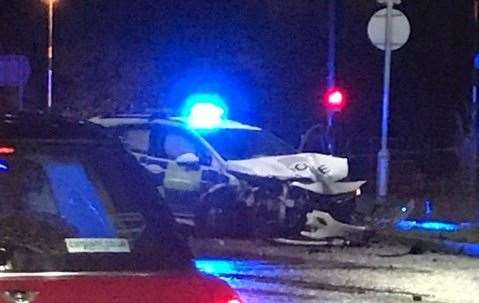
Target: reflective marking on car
{"x":323,"y":169}
{"x":148,"y":161}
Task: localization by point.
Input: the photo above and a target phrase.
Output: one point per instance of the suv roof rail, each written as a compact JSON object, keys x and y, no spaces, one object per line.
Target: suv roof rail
{"x":160,"y":115}
{"x":150,"y":114}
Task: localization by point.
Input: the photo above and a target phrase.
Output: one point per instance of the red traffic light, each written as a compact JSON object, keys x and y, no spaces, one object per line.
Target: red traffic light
{"x":334,"y":100}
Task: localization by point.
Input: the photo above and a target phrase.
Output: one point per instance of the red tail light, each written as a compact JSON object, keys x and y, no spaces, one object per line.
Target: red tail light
{"x":233,"y":299}
{"x":7,"y":150}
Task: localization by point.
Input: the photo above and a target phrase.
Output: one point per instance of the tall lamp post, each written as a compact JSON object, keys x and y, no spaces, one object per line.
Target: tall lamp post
{"x":50,"y":4}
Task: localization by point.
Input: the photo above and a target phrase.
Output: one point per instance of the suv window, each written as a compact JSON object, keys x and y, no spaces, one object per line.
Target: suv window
{"x":75,"y":207}
{"x":170,"y":142}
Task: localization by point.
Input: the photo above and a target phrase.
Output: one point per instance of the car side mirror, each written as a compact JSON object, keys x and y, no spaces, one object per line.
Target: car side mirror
{"x":206,"y":160}
{"x":188,"y":160}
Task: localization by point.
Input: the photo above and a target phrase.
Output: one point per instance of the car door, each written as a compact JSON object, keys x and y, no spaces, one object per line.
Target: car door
{"x":136,"y":139}
{"x":188,"y":164}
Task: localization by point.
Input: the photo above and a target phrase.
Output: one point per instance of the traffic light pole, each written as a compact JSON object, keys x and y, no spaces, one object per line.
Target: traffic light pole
{"x":331,"y":73}
{"x":383,"y":154}
{"x":330,"y":133}
{"x":332,"y":45}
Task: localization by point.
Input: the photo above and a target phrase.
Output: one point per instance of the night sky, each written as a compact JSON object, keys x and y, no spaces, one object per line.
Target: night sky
{"x":266,"y":57}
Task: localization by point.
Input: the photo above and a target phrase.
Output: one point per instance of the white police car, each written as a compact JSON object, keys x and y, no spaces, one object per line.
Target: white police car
{"x":225,"y":169}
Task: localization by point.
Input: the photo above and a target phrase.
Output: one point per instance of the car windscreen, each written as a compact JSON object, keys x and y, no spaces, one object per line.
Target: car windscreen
{"x":240,"y":144}
{"x":82,"y":207}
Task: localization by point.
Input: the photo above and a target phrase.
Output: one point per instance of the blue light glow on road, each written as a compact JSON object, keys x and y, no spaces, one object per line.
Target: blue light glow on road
{"x":215,"y":266}
{"x":429,"y":225}
{"x":3,"y":166}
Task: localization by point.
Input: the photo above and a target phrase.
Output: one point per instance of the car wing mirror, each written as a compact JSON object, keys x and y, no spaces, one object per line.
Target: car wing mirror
{"x":188,"y":160}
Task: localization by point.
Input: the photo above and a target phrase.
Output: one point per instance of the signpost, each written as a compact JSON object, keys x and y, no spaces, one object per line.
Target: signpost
{"x":400,"y":29}
{"x":388,"y":30}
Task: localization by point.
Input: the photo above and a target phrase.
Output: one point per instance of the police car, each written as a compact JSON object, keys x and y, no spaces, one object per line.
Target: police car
{"x":219,"y":170}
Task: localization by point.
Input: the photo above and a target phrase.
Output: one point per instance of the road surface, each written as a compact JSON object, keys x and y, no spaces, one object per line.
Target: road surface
{"x":263,"y":272}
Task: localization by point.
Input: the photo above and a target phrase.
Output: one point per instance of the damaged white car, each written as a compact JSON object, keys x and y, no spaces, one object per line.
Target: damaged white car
{"x":235,"y":178}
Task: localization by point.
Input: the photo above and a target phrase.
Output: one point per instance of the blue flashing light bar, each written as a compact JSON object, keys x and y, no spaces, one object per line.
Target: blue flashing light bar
{"x":205,"y":111}
{"x":205,"y":115}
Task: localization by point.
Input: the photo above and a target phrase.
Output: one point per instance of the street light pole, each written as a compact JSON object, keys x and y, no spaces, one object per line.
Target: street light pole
{"x":383,"y":154}
{"x":50,"y":54}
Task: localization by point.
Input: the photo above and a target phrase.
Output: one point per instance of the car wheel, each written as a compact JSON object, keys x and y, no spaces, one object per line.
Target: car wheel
{"x":295,"y":219}
{"x":344,"y":212}
{"x":215,"y":214}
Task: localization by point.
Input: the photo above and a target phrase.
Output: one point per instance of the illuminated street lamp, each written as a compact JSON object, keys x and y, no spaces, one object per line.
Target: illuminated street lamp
{"x":50,"y":4}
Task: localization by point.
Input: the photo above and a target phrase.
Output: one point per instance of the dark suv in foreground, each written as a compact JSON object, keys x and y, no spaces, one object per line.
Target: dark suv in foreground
{"x":80,"y":221}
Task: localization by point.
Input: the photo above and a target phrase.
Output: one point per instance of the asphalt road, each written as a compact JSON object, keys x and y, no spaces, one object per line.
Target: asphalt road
{"x":263,"y":272}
